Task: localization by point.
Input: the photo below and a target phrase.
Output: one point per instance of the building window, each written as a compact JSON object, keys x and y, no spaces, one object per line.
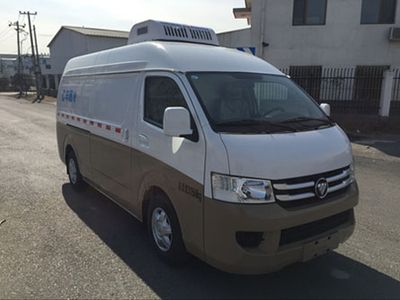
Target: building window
{"x":309,"y":12}
{"x":160,"y":93}
{"x":378,"y":11}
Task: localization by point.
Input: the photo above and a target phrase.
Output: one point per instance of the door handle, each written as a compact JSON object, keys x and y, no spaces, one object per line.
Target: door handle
{"x":144,"y":141}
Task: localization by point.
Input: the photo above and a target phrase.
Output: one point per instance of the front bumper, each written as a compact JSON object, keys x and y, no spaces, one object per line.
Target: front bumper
{"x":223,"y":220}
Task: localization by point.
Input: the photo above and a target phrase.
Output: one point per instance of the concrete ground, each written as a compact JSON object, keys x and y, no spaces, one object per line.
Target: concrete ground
{"x":56,"y":243}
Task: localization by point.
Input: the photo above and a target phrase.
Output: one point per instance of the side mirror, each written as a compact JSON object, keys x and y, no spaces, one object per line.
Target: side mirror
{"x":326,"y":108}
{"x":177,"y":121}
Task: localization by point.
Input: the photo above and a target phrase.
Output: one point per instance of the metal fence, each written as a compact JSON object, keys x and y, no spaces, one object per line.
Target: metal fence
{"x":347,"y":90}
{"x":395,"y":104}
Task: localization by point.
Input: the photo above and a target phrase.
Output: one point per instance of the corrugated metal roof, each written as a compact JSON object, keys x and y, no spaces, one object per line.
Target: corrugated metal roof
{"x":99,"y":32}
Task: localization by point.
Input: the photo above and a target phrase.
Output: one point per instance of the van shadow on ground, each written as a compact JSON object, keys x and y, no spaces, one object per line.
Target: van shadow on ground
{"x":331,"y":276}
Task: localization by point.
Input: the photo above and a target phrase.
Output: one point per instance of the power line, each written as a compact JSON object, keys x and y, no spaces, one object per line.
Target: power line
{"x":6,"y":29}
{"x":7,"y":36}
{"x":5,"y":32}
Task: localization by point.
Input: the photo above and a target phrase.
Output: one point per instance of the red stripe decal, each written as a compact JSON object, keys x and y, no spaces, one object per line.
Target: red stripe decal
{"x":118,"y":130}
{"x":108,"y":127}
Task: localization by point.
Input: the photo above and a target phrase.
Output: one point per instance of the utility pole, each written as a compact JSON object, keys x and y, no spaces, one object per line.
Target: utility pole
{"x":35,"y":67}
{"x":38,"y":69}
{"x":19,"y":75}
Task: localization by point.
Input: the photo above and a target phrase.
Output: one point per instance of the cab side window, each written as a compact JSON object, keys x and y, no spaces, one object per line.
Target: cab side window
{"x":160,"y":93}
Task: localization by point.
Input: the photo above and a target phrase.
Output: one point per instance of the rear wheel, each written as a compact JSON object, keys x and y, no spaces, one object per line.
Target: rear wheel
{"x":165,"y":232}
{"x":74,"y":175}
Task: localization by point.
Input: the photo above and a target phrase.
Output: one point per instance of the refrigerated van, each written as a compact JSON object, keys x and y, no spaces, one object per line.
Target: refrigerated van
{"x":220,"y":154}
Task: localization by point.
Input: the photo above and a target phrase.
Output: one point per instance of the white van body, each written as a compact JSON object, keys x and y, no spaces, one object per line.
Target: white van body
{"x":100,"y":117}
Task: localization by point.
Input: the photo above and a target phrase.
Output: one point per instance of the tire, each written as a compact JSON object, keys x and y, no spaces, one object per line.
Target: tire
{"x":74,"y":175}
{"x":169,"y":247}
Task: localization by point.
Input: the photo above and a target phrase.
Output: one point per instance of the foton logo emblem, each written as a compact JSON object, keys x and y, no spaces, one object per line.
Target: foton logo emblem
{"x":321,"y":188}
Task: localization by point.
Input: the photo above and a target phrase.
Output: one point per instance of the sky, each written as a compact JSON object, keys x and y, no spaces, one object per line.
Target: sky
{"x":111,"y":14}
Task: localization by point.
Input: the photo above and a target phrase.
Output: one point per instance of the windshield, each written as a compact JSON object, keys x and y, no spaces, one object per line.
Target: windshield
{"x":255,"y":103}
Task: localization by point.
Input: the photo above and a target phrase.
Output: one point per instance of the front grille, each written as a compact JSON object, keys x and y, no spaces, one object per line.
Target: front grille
{"x":301,"y":190}
{"x":305,"y":231}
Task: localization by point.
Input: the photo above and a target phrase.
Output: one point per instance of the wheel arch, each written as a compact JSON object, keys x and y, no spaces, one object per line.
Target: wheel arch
{"x":67,"y":146}
{"x":149,"y":194}
{"x":154,"y":182}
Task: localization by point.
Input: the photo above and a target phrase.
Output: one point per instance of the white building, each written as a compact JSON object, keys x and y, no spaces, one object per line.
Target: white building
{"x":326,"y":33}
{"x":339,"y":51}
{"x":71,"y":41}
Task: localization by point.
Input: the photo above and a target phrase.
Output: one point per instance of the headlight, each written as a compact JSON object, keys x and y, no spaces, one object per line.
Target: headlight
{"x":241,"y":190}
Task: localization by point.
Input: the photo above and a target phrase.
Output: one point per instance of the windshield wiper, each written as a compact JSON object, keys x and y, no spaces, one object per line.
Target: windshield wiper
{"x":308,"y":119}
{"x":255,"y":122}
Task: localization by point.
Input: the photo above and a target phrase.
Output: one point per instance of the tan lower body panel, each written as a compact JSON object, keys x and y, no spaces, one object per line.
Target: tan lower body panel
{"x":111,"y":167}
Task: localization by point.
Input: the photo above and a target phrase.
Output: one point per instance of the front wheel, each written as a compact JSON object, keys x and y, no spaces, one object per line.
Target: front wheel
{"x":164,"y":231}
